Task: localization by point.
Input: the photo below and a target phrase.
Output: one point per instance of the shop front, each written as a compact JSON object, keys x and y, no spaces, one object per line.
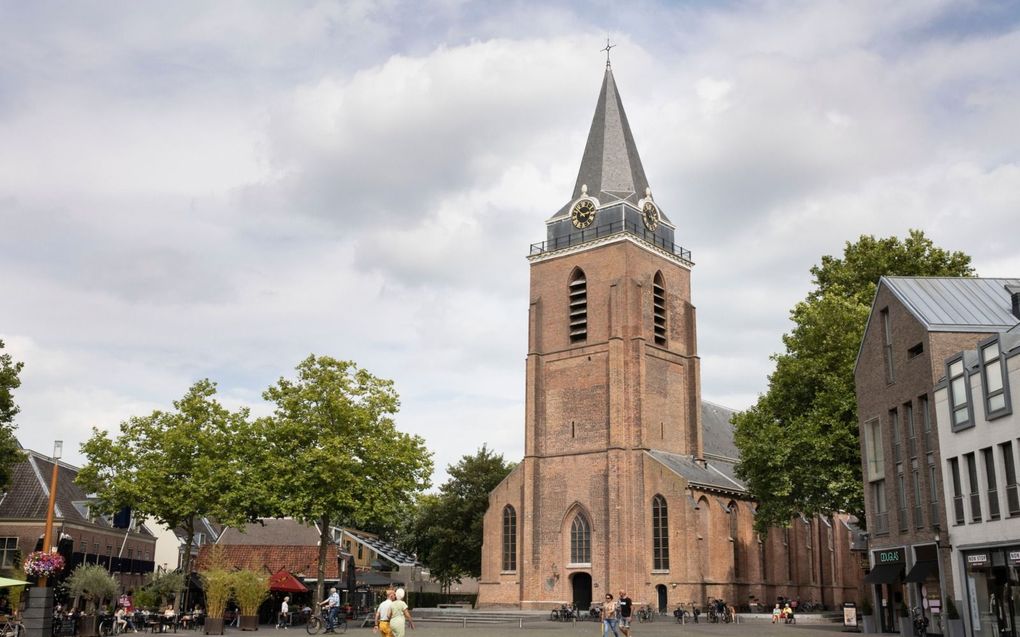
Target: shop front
{"x":887,"y":573}
{"x":926,"y":586}
{"x":991,"y":579}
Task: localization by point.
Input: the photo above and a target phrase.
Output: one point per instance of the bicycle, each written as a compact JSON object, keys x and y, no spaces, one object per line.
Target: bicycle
{"x":645,"y":614}
{"x":317,"y":623}
{"x":920,"y":622}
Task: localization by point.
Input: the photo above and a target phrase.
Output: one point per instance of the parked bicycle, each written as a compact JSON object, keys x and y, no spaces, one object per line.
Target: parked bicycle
{"x":920,"y":622}
{"x":645,"y":614}
{"x":317,"y":623}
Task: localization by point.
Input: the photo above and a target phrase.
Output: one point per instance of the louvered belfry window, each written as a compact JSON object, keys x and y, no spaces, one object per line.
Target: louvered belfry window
{"x":659,"y":309}
{"x":578,"y":307}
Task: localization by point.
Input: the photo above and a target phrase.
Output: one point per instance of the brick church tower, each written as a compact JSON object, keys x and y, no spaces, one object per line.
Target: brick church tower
{"x":627,"y":478}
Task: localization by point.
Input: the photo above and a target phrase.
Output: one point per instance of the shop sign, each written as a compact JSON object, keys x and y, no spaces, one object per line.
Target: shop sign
{"x":977,"y":560}
{"x":891,"y":556}
{"x":1013,"y":557}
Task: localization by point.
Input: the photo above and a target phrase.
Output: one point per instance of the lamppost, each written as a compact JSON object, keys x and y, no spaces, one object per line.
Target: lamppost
{"x":942,"y":583}
{"x":38,"y":615}
{"x":58,"y":447}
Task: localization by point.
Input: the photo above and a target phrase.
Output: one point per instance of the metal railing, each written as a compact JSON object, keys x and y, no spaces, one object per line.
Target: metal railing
{"x":606,"y":230}
{"x":958,"y":509}
{"x":1013,"y":499}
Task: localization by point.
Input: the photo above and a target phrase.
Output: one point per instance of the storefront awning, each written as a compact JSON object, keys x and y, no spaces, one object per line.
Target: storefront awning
{"x":884,"y":574}
{"x":922,"y":570}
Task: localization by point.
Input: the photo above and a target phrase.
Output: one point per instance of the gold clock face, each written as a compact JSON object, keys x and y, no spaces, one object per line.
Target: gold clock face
{"x":650,"y":215}
{"x":583,"y":213}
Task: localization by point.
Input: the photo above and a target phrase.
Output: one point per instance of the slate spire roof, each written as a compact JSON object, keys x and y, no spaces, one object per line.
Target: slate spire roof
{"x":611,"y":167}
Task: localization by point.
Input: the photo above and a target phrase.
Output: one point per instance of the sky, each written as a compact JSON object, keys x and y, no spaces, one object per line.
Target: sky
{"x":219,"y":189}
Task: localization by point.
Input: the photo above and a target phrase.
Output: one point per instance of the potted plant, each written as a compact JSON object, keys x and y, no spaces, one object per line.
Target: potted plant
{"x":40,"y":564}
{"x":92,"y":583}
{"x":953,"y":619}
{"x":867,"y":616}
{"x":250,"y":590}
{"x":906,"y":626}
{"x":217,"y":583}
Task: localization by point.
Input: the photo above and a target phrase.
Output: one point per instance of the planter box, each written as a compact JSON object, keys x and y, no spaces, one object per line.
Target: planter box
{"x":868,"y":624}
{"x":213,"y":625}
{"x":956,"y":628}
{"x":87,"y":626}
{"x":906,"y":626}
{"x":249,"y":622}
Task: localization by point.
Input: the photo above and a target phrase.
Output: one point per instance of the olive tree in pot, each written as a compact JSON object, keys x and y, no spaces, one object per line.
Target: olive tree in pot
{"x":217,"y":583}
{"x":250,"y":590}
{"x":92,"y":583}
{"x":867,"y":616}
{"x":953,"y":619}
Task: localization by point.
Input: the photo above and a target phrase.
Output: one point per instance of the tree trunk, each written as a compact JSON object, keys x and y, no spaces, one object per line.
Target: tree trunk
{"x":324,"y":539}
{"x":189,"y":527}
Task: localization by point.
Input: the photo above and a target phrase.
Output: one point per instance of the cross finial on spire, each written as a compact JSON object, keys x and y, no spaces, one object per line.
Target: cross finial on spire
{"x":609,"y":46}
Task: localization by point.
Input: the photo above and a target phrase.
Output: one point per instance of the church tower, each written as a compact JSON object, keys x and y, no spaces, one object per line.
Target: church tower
{"x":619,"y":487}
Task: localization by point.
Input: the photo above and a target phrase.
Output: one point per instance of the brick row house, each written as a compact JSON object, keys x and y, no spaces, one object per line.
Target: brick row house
{"x":979,"y":433}
{"x":914,"y":325}
{"x":119,"y":543}
{"x":628,"y":479}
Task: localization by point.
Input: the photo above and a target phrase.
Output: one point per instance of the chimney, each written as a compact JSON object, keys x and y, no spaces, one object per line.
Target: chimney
{"x":1014,"y":295}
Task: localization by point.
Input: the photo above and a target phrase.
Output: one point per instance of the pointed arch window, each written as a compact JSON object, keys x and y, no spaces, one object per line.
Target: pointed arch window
{"x":659,"y":309}
{"x":580,"y":540}
{"x":578,"y":295}
{"x":734,"y":537}
{"x":509,"y":538}
{"x":660,"y":534}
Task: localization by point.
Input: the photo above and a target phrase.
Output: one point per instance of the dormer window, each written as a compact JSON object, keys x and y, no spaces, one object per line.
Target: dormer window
{"x":578,"y":299}
{"x":959,"y":395}
{"x":659,"y":309}
{"x":993,"y":377}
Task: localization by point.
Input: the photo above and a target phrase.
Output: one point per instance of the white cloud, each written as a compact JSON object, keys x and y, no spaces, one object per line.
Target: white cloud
{"x":218,"y":190}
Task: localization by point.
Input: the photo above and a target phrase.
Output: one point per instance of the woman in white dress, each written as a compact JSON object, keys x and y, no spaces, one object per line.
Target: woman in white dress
{"x":399,"y":614}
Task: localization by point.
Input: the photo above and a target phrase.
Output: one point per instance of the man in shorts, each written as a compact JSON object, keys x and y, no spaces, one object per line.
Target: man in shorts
{"x":626,"y":606}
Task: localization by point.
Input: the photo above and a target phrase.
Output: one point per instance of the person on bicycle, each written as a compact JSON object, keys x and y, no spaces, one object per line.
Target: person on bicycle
{"x":332,"y":604}
{"x":626,"y":606}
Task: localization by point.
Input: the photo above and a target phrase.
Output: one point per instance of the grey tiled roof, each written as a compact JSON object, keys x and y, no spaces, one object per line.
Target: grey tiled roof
{"x":28,"y":494}
{"x":611,"y":166}
{"x":717,"y":432}
{"x":715,"y":475}
{"x":956,"y":304}
{"x":272,"y":531}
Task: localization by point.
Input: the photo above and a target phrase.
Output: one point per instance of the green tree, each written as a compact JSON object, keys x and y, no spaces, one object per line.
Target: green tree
{"x":177,"y":466}
{"x":10,"y":450}
{"x":336,"y":456}
{"x":446,"y":532}
{"x":799,"y":443}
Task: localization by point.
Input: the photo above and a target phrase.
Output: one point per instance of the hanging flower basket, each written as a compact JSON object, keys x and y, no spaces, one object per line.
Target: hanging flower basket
{"x":42,"y":564}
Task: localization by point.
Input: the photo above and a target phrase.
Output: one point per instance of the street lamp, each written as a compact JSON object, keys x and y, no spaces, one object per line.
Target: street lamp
{"x":942,"y":579}
{"x":58,"y":448}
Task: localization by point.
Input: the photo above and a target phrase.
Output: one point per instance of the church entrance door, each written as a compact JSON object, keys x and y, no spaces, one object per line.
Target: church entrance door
{"x":660,"y":590}
{"x":581,"y":585}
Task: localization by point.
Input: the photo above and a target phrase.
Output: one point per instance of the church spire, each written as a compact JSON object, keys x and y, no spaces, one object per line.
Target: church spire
{"x":611,"y":167}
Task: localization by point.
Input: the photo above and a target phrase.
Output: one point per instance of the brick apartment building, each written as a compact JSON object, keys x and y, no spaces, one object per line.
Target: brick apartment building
{"x":979,"y":432}
{"x":914,"y":325}
{"x":628,"y":477}
{"x":125,"y":548}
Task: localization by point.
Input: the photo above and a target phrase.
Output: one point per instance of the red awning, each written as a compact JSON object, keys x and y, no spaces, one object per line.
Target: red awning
{"x":284,"y":582}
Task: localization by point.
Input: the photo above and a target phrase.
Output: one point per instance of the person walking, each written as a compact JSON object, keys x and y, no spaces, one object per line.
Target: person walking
{"x":384,"y":614}
{"x":609,"y":616}
{"x":332,"y":605}
{"x":626,"y":606}
{"x":283,"y":619}
{"x":399,"y":614}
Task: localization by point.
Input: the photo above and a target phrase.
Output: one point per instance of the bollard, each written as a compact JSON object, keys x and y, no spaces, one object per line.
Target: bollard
{"x":464,"y":621}
{"x":520,"y":622}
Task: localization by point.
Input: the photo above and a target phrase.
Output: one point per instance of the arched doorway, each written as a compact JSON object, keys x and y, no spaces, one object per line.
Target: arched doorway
{"x":660,"y":592}
{"x":580,"y":584}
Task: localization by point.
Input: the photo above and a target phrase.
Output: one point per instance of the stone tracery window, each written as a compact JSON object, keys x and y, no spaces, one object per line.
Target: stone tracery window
{"x":580,"y":540}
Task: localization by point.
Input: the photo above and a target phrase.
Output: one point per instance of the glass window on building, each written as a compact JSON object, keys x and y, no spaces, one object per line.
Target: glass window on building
{"x":992,"y":493}
{"x":959,"y":395}
{"x":991,"y":578}
{"x":8,"y":551}
{"x":1012,"y":496}
{"x":954,"y":470}
{"x":993,"y":375}
{"x":972,"y":482}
